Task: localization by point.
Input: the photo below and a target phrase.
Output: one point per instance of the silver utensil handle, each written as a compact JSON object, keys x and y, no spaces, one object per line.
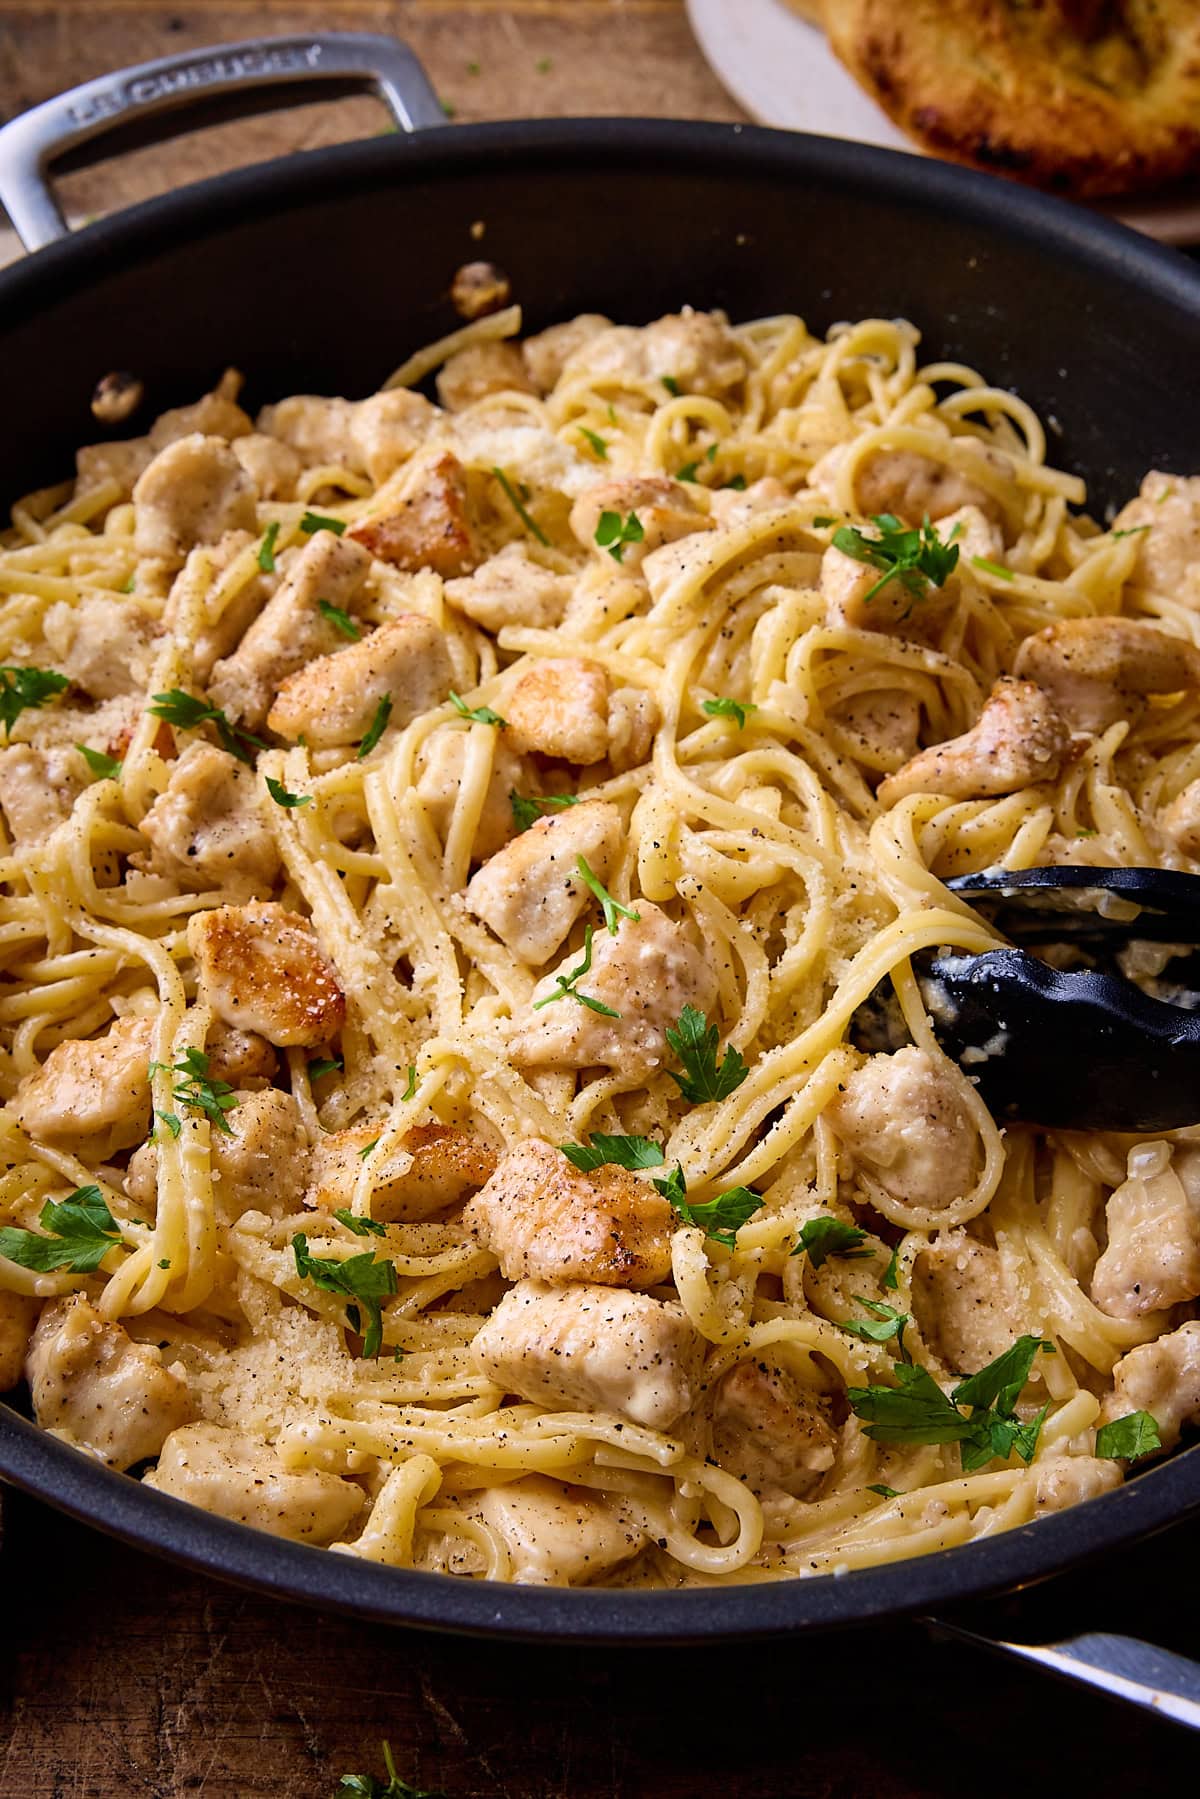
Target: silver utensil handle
{"x":31,"y":142}
{"x":1125,"y":1668}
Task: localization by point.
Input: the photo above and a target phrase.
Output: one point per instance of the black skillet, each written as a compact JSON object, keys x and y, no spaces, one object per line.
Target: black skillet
{"x":319,"y":273}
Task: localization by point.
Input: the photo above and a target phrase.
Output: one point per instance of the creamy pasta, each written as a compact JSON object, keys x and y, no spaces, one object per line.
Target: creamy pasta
{"x":457,"y":860}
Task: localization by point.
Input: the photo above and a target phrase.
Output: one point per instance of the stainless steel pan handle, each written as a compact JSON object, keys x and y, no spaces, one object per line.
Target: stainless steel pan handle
{"x":31,"y":143}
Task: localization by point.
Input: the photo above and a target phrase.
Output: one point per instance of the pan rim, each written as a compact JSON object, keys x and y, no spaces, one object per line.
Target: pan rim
{"x":73,"y":1482}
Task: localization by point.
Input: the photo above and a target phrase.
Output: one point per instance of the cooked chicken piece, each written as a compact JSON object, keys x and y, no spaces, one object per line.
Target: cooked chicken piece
{"x":912,"y":486}
{"x":733,"y":506}
{"x":547,"y":351}
{"x":1152,"y":1258}
{"x":193,"y":492}
{"x":968,"y":1308}
{"x":597,"y":1348}
{"x":543,"y":1219}
{"x":1094,"y":670}
{"x":1180,"y":819}
{"x":260,"y":1164}
{"x":645,"y":975}
{"x":207,"y":829}
{"x":91,"y":1381}
{"x":769,"y":1430}
{"x":1162,"y":1378}
{"x":291,"y":629}
{"x":846,"y":587}
{"x":564,"y":706}
{"x":424,"y":522}
{"x":262,"y":969}
{"x":557,"y":1535}
{"x":479,"y":370}
{"x":433,"y":1168}
{"x":102,"y":644}
{"x":1064,"y":1480}
{"x":213,"y":415}
{"x":240,"y":1057}
{"x":319,"y":429}
{"x":666,"y":510}
{"x":273,"y":466}
{"x":38,"y":788}
{"x":244,"y":1478}
{"x":18,"y":1315}
{"x":203,"y":568}
{"x":531,"y":892}
{"x":1018,"y":739}
{"x":334,"y":699}
{"x":389,"y":428}
{"x":696,"y":351}
{"x":511,"y":589}
{"x":91,"y":1089}
{"x":883,"y":725}
{"x":1168,"y":558}
{"x":903,"y":1121}
{"x":441,"y":764}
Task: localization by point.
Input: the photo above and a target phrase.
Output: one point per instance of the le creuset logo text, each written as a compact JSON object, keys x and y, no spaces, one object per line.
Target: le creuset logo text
{"x":209,"y":71}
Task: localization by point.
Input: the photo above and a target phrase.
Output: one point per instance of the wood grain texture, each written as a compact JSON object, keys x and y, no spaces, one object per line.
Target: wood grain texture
{"x":542,"y":58}
{"x":121,"y":1678}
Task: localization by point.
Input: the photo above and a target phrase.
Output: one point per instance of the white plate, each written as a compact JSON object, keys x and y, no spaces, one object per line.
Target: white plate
{"x":783,"y":72}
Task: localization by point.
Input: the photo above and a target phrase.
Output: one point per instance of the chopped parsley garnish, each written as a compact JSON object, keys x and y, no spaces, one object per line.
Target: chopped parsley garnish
{"x":993,"y":568}
{"x":195,"y":1089}
{"x":411,"y":1088}
{"x":694,"y":1041}
{"x":361,"y":1227}
{"x":105,"y":768}
{"x":282,"y":797}
{"x":916,"y":1410}
{"x":737,"y":483}
{"x":825,"y":1237}
{"x":1130,"y":531}
{"x":188,"y":713}
{"x":82,"y":1228}
{"x":884,"y":1323}
{"x":518,"y":506}
{"x":366,"y":1149}
{"x":326,"y":1065}
{"x":727,"y":708}
{"x":670,"y":383}
{"x":341,"y":621}
{"x":266,"y":549}
{"x":172,"y":1120}
{"x":626,"y":1152}
{"x":1129,"y":1438}
{"x":690,"y":470}
{"x":371,"y":1786}
{"x":21,"y":688}
{"x":819,"y":524}
{"x":543,"y":65}
{"x":918,"y":559}
{"x":891,"y":1276}
{"x":612,"y":909}
{"x":478,"y":715}
{"x":526,"y":812}
{"x":597,"y":442}
{"x":720,"y":1218}
{"x":128,"y":585}
{"x":567,"y":988}
{"x":885,"y":1492}
{"x":312,"y":522}
{"x":613,"y":532}
{"x":361,"y":1278}
{"x":377,"y":727}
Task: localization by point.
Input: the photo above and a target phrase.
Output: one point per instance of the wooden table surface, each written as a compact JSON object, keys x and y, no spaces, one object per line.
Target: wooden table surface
{"x":122,"y":1676}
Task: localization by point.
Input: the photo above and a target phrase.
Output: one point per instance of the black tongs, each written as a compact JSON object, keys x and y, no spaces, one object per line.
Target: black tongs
{"x":1077,"y":1049}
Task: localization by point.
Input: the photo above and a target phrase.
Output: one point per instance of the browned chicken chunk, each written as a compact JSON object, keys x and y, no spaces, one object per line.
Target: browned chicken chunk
{"x":90,"y":1380}
{"x":1152,"y":1258}
{"x":565,"y":707}
{"x":193,"y":492}
{"x":1096,"y":670}
{"x":557,"y":1534}
{"x":543,"y":1219}
{"x":262,"y":969}
{"x":207,"y":830}
{"x":334,"y":699}
{"x":968,"y":1307}
{"x":665,"y":510}
{"x":244,"y":1478}
{"x":903,"y":1120}
{"x":91,"y":1090}
{"x":1162,"y":1378}
{"x":479,"y":371}
{"x":1018,"y":739}
{"x":531,"y":893}
{"x":770,"y":1431}
{"x":424,"y":524}
{"x":432,"y":1169}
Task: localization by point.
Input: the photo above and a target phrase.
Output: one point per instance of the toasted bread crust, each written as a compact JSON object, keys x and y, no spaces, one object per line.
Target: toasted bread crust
{"x":1086,"y":97}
